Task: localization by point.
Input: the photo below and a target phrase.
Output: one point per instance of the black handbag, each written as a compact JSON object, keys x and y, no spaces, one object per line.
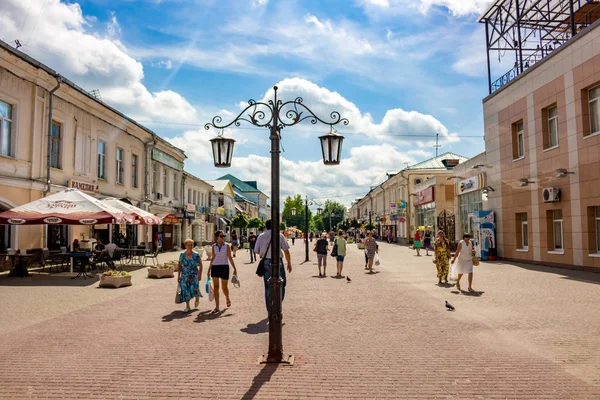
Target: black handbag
{"x":334,"y":251}
{"x":260,"y":270}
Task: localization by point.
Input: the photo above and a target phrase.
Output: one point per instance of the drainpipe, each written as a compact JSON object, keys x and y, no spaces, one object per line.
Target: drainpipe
{"x":146,"y":194}
{"x":49,"y":155}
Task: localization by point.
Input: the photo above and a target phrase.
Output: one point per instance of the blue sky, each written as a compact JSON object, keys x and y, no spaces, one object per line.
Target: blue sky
{"x":399,"y":70}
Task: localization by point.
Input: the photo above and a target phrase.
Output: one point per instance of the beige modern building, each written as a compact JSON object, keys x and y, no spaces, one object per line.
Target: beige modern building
{"x":542,"y":134}
{"x":55,"y":135}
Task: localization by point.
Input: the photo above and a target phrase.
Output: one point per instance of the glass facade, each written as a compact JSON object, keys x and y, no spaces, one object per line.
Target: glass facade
{"x":468,"y":203}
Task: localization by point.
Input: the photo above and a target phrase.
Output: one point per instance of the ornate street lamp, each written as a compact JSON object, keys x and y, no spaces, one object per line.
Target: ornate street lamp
{"x":222,"y":150}
{"x":276,"y":115}
{"x":306,"y":204}
{"x":331,"y":145}
{"x":319,"y":211}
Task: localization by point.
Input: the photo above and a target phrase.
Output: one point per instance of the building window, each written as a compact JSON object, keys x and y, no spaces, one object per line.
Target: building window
{"x":55,"y":137}
{"x":469,"y":203}
{"x":594,"y":106}
{"x":134,"y":171}
{"x":557,"y":229}
{"x":550,"y":115}
{"x":522,"y":231}
{"x":154,"y":178}
{"x":175,"y":187}
{"x":518,"y":140}
{"x":101,"y":160}
{"x":189,"y":198}
{"x":165,"y":182}
{"x":119,"y":166}
{"x":6,"y":118}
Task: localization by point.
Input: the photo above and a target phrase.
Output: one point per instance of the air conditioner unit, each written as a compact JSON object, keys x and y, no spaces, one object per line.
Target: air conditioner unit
{"x":551,"y":195}
{"x":159,"y":196}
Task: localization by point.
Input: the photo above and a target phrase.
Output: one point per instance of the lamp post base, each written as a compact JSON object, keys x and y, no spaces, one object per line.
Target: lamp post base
{"x":285,"y":360}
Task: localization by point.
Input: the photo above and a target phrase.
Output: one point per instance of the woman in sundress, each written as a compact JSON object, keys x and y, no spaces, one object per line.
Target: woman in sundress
{"x":463,"y":260}
{"x":188,"y":275}
{"x":418,"y":242}
{"x":371,"y":248}
{"x":442,"y":257}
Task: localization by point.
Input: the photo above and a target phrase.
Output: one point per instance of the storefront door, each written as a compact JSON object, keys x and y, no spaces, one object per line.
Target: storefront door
{"x":168,"y":237}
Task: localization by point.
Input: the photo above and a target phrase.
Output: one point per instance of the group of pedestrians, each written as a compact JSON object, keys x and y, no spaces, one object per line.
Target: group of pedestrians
{"x":462,"y":262}
{"x":221,"y":263}
{"x":338,"y":251}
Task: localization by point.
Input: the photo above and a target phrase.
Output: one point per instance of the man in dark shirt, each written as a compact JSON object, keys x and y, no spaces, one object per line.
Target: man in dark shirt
{"x":321,"y":248}
{"x":252,"y":242}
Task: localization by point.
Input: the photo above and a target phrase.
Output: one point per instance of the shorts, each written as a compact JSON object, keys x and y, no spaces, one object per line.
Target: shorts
{"x":322,"y":259}
{"x":340,"y":258}
{"x":220,"y":271}
{"x":235,"y":243}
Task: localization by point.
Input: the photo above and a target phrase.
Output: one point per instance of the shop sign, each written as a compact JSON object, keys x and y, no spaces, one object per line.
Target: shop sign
{"x":394,"y":217}
{"x":470,"y":184}
{"x":190,"y":207}
{"x":179,"y":215}
{"x":424,"y":196}
{"x":170,"y":219}
{"x":383,"y":219}
{"x":190,"y":215}
{"x":402,"y":219}
{"x":401,"y":204}
{"x":166,"y":159}
{"x":393,"y":207}
{"x":84,"y":186}
{"x":402,"y":213}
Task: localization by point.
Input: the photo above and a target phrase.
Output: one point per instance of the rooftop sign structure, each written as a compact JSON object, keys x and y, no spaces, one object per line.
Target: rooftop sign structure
{"x":530,"y":30}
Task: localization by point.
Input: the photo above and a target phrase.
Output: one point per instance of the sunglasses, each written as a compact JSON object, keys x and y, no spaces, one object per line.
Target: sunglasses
{"x":221,"y":236}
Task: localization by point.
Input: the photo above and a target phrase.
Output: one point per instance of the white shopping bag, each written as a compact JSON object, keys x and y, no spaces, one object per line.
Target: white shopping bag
{"x":453,"y":275}
{"x":376,"y":259}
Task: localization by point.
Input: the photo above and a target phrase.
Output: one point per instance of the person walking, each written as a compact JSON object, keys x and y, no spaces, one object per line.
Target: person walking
{"x":341,"y":252}
{"x":218,"y":269}
{"x":371,"y":247}
{"x":251,"y":244}
{"x":188,"y":275}
{"x":312,"y":236}
{"x":442,"y":257}
{"x":263,"y":248}
{"x":389,"y":236}
{"x":234,"y":242}
{"x":427,"y":240}
{"x":294,"y":238}
{"x":322,"y":248}
{"x":418,"y":242}
{"x":463,"y":260}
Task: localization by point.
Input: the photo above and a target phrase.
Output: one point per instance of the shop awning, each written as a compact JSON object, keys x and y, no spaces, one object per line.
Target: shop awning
{"x":141,"y":216}
{"x":225,"y":220}
{"x":239,"y":209}
{"x":68,"y":207}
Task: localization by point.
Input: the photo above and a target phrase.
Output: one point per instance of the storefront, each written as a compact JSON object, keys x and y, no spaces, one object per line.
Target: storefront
{"x":168,"y":235}
{"x":470,"y":200}
{"x":425,"y":208}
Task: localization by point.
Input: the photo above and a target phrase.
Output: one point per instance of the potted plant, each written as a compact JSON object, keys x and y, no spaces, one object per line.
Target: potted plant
{"x":161,"y":271}
{"x":115,"y":279}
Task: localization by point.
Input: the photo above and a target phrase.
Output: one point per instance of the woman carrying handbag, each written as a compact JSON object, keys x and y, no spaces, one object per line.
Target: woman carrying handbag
{"x":463,"y":261}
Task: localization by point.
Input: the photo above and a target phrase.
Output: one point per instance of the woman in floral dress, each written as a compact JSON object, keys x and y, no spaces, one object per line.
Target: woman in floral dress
{"x":442,"y":257}
{"x":188,"y":276}
{"x":371,"y":248}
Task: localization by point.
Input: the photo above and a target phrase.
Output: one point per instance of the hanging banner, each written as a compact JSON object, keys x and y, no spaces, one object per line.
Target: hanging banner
{"x":170,"y":219}
{"x":393,"y":207}
{"x":190,"y":207}
{"x":401,"y":204}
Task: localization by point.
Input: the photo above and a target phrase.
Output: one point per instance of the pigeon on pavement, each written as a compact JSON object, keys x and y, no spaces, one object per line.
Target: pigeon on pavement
{"x":348,"y":279}
{"x":449,"y":306}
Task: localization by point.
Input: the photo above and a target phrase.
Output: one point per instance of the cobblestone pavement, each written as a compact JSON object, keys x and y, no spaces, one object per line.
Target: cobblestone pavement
{"x":533,"y":333}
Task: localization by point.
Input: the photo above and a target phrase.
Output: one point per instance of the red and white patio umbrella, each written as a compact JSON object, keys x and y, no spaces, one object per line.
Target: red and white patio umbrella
{"x":69,"y":207}
{"x":140,"y":216}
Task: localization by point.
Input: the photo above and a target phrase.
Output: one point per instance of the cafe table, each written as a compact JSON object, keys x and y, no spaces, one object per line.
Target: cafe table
{"x":82,"y":258}
{"x":18,"y":261}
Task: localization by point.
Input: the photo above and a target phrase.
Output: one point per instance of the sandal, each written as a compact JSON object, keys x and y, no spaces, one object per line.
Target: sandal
{"x":216,"y":310}
{"x":458,"y":286}
{"x":228,"y":303}
{"x":471,"y":289}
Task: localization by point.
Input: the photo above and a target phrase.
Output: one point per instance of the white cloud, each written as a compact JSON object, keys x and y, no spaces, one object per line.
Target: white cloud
{"x":456,"y":7}
{"x":59,"y":35}
{"x":166,"y":64}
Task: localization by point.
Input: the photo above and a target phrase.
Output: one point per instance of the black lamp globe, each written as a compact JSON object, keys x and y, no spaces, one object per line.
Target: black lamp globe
{"x":222,"y":151}
{"x":319,"y":211}
{"x":331,"y":145}
{"x":293,"y":211}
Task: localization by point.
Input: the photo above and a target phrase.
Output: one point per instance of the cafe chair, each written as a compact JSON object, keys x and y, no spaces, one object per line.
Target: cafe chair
{"x":48,"y":261}
{"x":153,"y":256}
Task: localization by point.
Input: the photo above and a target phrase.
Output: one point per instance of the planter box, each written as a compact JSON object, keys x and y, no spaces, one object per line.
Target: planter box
{"x":161,"y":273}
{"x":360,"y":246}
{"x":114,"y":281}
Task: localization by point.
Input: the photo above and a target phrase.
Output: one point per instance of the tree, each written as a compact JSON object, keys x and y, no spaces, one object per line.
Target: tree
{"x":370,"y":226}
{"x":240,"y":221}
{"x":317,"y":223}
{"x":282,"y":226}
{"x":256,"y":223}
{"x":288,"y":216}
{"x":354,"y":223}
{"x":333,"y":213}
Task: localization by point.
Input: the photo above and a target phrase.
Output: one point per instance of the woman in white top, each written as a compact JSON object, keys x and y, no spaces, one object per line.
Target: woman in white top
{"x":219,"y":268}
{"x":464,"y":265}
